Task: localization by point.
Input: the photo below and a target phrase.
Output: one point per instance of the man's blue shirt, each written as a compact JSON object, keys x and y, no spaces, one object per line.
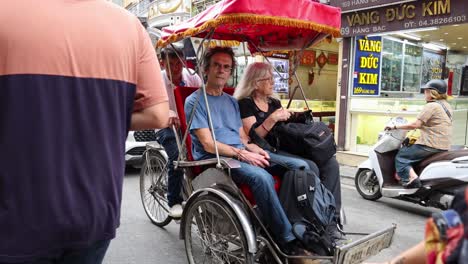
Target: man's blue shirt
{"x":225,"y":114}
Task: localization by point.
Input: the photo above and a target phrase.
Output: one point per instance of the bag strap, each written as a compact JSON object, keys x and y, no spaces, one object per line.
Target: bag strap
{"x":302,"y":193}
{"x":300,"y":189}
{"x":446,"y":110}
{"x":259,"y":141}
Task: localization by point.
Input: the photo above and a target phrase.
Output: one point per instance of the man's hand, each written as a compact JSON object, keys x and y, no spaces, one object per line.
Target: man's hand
{"x":256,"y":149}
{"x":173,"y":119}
{"x":253,"y":158}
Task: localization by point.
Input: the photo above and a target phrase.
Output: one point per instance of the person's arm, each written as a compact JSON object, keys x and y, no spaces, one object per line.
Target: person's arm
{"x":251,"y":147}
{"x":413,"y":125}
{"x":151,"y":107}
{"x":247,"y":124}
{"x":155,"y":116}
{"x":280,"y":114}
{"x":423,"y":117}
{"x":264,"y":128}
{"x":205,"y":138}
{"x":414,"y":255}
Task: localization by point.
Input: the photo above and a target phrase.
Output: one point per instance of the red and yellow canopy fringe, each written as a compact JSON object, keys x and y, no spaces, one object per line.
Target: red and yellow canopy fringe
{"x":266,"y":24}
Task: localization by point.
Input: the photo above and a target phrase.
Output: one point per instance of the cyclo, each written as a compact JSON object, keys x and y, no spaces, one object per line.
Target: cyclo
{"x":220,"y":223}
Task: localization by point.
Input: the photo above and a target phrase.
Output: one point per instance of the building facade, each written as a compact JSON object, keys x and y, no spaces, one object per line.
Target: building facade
{"x":390,"y":49}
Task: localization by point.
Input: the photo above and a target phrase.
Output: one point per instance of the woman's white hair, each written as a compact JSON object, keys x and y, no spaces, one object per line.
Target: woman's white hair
{"x":252,"y":74}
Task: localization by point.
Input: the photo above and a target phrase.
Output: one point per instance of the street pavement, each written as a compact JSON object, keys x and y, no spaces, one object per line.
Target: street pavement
{"x":140,"y":242}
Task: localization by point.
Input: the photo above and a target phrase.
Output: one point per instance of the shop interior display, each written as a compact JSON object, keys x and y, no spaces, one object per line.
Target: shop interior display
{"x":412,"y":68}
{"x":464,"y":81}
{"x":432,"y":65}
{"x":371,"y":115}
{"x":315,"y":105}
{"x":392,"y":59}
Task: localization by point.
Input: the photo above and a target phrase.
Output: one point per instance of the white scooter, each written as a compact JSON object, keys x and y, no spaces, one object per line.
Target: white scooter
{"x":441,"y":174}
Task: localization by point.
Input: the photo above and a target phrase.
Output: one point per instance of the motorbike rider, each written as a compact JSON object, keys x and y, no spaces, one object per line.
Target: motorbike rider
{"x":435,"y":125}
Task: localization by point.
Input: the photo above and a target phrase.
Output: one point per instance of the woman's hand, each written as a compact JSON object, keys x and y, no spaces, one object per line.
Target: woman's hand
{"x":280,"y":114}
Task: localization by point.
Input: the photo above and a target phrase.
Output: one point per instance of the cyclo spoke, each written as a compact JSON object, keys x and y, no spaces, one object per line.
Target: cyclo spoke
{"x":223,"y":248}
{"x":202,"y":230}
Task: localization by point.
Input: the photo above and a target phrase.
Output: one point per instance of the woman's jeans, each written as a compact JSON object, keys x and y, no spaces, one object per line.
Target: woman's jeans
{"x":288,"y":162}
{"x":93,"y":254}
{"x":408,"y":156}
{"x":166,"y":138}
{"x":331,"y":179}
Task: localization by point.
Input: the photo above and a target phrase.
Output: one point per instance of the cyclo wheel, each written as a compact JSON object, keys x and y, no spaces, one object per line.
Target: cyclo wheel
{"x":153,"y":188}
{"x":213,"y":233}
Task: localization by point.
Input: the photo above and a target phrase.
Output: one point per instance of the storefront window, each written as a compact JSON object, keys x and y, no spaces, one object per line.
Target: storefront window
{"x":412,"y":68}
{"x":392,"y":59}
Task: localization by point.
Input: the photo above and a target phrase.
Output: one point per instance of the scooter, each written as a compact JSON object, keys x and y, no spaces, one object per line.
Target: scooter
{"x":441,"y":174}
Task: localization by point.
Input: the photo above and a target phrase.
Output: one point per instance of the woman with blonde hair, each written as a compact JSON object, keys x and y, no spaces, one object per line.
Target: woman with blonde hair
{"x":261,"y":110}
{"x":435,"y":125}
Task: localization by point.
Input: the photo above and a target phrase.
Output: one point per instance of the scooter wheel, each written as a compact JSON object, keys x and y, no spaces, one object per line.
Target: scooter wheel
{"x":367,"y":184}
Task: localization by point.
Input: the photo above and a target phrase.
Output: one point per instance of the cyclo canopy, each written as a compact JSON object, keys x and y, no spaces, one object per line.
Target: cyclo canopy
{"x":265,"y":25}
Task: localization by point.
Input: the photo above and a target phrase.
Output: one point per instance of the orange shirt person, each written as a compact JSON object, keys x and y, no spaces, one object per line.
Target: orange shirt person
{"x":75,"y":77}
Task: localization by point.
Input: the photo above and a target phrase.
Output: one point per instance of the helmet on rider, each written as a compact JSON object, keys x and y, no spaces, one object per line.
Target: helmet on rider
{"x":439,"y":85}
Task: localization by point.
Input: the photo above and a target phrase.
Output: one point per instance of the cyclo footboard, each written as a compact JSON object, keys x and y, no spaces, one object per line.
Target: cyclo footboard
{"x":364,"y":247}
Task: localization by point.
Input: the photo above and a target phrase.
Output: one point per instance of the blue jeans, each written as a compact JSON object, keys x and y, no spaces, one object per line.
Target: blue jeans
{"x":93,"y":254}
{"x":287,"y":162}
{"x":263,"y":188}
{"x":408,"y":156}
{"x":166,"y":138}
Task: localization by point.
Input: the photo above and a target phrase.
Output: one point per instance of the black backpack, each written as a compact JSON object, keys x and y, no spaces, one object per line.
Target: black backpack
{"x":310,"y":140}
{"x":310,"y":208}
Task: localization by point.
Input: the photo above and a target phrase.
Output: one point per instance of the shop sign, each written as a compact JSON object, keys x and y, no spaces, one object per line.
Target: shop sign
{"x":126,"y":3}
{"x":418,"y":14}
{"x":159,"y":8}
{"x":279,"y":55}
{"x":367,"y":66}
{"x":354,"y":5}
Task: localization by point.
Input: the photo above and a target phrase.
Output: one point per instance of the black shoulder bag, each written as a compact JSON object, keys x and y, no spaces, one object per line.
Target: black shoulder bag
{"x":303,"y":136}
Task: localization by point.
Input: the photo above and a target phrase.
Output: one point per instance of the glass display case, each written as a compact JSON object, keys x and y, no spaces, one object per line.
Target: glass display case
{"x":412,"y":68}
{"x":324,"y":111}
{"x":315,"y":105}
{"x":392,"y":59}
{"x":370,"y":115}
